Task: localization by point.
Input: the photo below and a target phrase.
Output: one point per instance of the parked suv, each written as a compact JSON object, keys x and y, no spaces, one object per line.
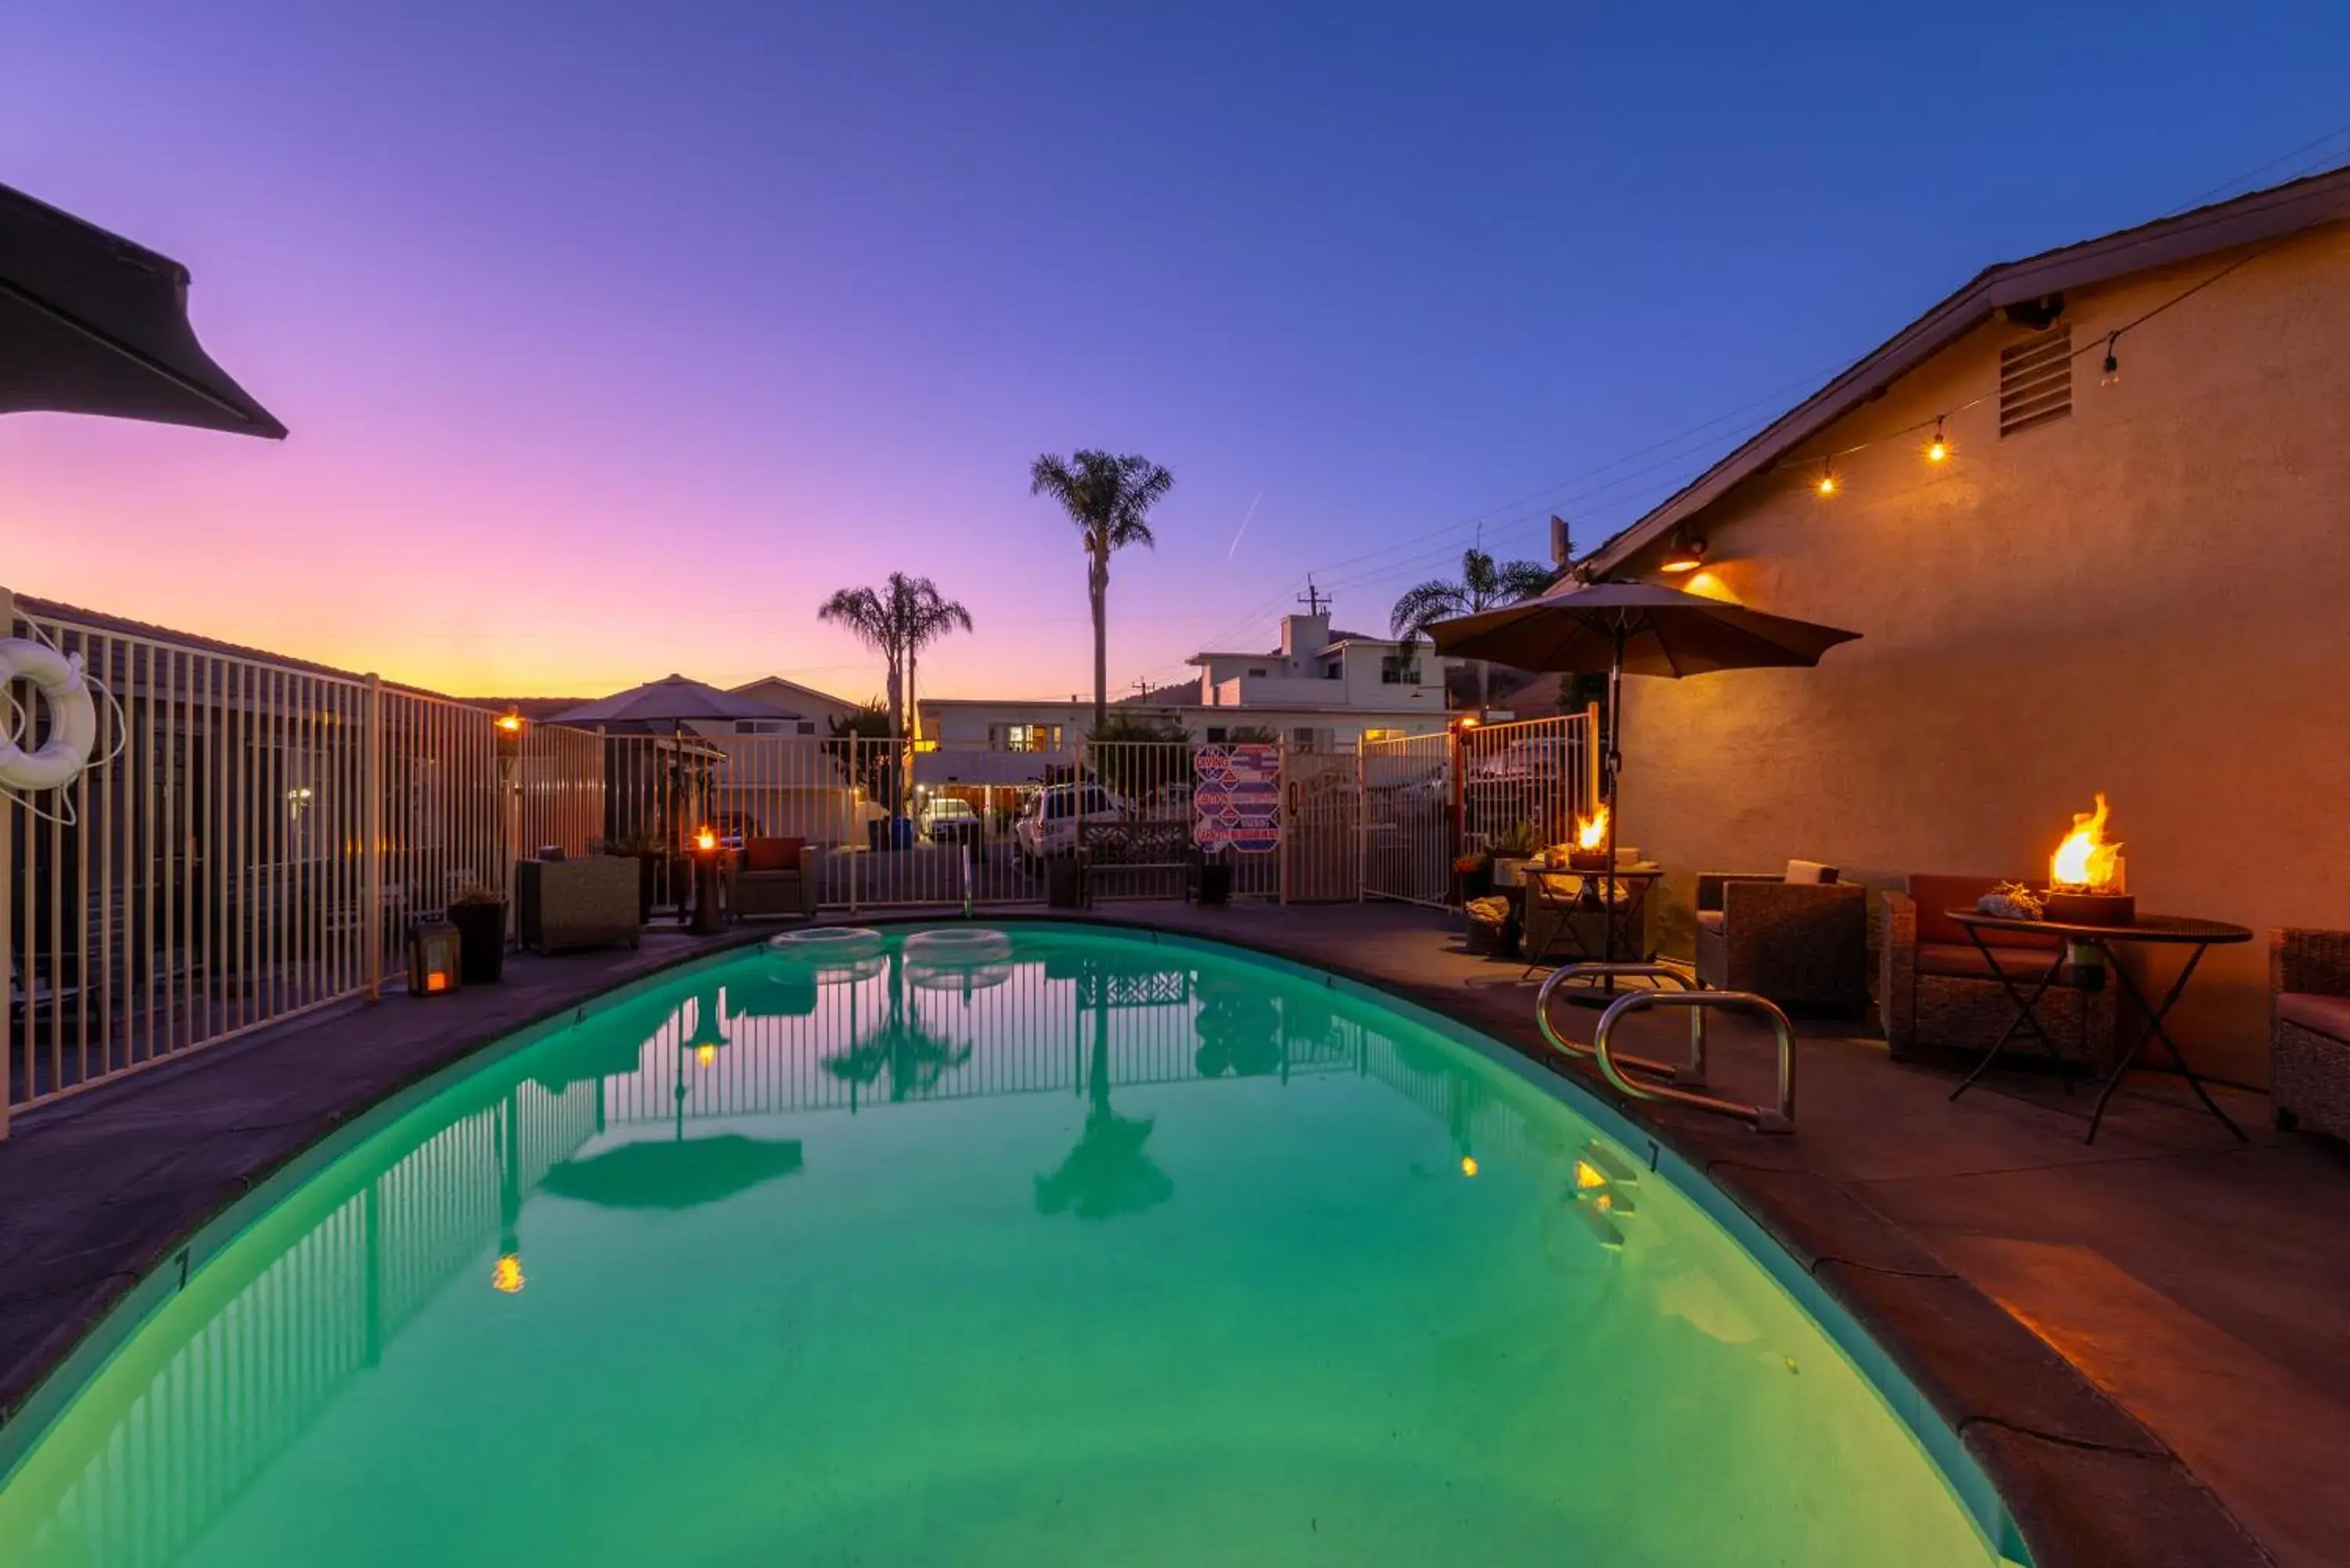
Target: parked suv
{"x":1049,"y":824}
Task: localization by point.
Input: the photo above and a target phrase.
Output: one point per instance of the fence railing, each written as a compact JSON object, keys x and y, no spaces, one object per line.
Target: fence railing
{"x":256,"y":835}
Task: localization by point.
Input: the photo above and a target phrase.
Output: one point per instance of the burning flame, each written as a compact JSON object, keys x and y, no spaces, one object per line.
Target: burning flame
{"x":705,"y":840}
{"x":506,"y":1276}
{"x":1591,"y":831}
{"x":2085,"y":860}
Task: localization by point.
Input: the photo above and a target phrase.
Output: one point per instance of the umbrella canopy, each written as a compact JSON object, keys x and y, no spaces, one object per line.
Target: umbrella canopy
{"x":1633,"y":628}
{"x":664,"y":702}
{"x":91,"y":324}
{"x":683,"y":1173}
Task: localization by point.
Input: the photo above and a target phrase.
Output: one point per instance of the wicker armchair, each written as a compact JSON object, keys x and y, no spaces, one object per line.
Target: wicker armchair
{"x":1937,"y":996}
{"x":1799,"y":938}
{"x":774,"y":876}
{"x":2309,"y":1024}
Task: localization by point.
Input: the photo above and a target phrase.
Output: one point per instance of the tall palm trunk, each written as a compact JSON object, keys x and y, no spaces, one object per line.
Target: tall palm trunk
{"x":1098,"y":588}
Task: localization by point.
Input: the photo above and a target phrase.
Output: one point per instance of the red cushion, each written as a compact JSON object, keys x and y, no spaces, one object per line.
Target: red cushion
{"x":1936,"y":893}
{"x":772,"y":854}
{"x":2325,"y":1014}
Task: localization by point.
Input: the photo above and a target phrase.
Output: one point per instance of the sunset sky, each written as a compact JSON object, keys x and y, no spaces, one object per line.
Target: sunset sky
{"x":613,"y":337}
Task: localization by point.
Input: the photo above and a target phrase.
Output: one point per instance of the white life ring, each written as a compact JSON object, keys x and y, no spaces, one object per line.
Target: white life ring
{"x":73,"y":717}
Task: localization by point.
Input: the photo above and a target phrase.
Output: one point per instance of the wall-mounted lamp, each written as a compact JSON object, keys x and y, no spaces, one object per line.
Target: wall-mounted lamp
{"x":1686,"y":555}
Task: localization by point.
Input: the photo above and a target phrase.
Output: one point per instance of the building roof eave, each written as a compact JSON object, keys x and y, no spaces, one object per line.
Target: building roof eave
{"x":2262,"y":215}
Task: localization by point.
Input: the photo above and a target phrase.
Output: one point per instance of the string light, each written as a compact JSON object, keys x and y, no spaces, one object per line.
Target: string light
{"x":1939,"y":448}
{"x":2113,"y":361}
{"x":1827,"y":477}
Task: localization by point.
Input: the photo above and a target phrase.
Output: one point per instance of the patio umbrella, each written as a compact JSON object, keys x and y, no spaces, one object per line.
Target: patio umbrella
{"x":91,"y":324}
{"x":1632,"y":628}
{"x":682,"y":1173}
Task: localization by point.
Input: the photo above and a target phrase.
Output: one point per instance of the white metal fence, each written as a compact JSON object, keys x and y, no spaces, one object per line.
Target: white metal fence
{"x":259,"y":834}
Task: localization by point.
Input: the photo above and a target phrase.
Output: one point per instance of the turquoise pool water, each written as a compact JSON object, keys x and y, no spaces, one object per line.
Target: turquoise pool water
{"x":1115,"y":1252}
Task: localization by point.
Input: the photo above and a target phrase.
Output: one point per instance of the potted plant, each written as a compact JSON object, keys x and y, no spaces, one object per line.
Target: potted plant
{"x":648,"y":851}
{"x":1513,"y":850}
{"x":1472,"y":876}
{"x":479,"y":913}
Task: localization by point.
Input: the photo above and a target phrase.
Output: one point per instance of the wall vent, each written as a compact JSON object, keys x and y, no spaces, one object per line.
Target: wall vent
{"x":2035,"y":381}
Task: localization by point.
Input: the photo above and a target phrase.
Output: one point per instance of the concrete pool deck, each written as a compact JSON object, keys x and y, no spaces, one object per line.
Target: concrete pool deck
{"x":2167,"y":1356}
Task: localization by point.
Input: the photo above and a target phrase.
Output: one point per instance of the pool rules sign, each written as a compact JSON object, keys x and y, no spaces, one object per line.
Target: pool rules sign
{"x":1236,"y":798}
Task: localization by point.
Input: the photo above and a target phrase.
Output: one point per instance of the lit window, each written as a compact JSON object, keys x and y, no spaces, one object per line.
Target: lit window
{"x":1032,"y":737}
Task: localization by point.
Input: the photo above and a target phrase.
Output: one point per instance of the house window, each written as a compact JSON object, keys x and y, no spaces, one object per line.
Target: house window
{"x":1216,"y":733}
{"x":1302,"y":738}
{"x":1383,"y":735}
{"x":1029,"y":737}
{"x":2035,"y":381}
{"x":1333,"y":671}
{"x":1399,"y":670}
{"x":761,"y":727}
{"x":1259,"y":673}
{"x":808,"y":727}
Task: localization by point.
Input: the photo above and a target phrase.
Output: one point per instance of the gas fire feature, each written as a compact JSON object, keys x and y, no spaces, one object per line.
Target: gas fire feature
{"x":2086,"y":876}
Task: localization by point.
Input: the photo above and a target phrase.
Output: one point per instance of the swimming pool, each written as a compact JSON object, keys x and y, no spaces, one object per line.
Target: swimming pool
{"x":1114,"y":1249}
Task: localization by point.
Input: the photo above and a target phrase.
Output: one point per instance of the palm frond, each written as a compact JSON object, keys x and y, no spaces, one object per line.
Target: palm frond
{"x":1433,"y":601}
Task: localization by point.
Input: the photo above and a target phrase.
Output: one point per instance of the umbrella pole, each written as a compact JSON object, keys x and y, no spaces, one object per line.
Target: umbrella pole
{"x":1610,"y":761}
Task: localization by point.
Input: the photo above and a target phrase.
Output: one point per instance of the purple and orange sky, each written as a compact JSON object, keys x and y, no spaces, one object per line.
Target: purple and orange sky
{"x":613,"y":337}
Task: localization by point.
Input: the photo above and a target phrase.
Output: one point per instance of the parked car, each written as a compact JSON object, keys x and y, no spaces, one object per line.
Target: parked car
{"x":1049,"y":825}
{"x":946,"y":820}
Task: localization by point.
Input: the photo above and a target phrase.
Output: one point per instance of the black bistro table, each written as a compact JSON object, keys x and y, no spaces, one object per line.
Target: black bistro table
{"x":2197,"y":936}
{"x":1623,"y":916}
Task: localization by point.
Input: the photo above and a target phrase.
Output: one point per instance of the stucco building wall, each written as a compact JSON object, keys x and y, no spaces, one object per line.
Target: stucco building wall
{"x":2150,"y":598}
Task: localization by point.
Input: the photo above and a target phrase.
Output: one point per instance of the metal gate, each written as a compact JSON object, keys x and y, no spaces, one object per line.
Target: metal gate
{"x":1408,"y":838}
{"x":1321,"y":801}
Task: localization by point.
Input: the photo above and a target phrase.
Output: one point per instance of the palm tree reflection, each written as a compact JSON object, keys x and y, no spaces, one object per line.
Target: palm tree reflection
{"x":1108,"y":1173}
{"x":913,"y":1058}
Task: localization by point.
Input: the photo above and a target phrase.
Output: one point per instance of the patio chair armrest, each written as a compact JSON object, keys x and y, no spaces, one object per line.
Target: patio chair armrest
{"x":2309,"y":961}
{"x":1710,"y":884}
{"x":1897,"y":966}
{"x":1768,"y":900}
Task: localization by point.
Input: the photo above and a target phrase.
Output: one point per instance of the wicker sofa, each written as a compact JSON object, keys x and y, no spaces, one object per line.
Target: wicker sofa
{"x":1798,"y":937}
{"x":2309,"y":1029}
{"x":1936,"y":996}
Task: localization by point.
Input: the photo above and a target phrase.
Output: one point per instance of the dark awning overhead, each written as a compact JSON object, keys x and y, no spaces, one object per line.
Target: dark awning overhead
{"x":91,"y":324}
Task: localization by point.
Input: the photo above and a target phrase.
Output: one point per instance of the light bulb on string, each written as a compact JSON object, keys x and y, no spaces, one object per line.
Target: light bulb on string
{"x":1939,"y":448}
{"x":2113,"y":361}
{"x":1827,"y":486}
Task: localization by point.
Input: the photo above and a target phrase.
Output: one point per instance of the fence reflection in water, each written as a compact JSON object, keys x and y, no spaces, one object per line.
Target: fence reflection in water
{"x":265,"y":1340}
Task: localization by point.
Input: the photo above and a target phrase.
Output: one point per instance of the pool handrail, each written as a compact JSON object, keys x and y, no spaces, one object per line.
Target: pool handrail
{"x":1780,"y":1119}
{"x":1692,"y":1074}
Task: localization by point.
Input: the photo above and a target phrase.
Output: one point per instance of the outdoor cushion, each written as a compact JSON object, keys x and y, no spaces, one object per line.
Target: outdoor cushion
{"x":1964,"y":960}
{"x":1709,"y":919}
{"x":771,"y":854}
{"x":2328,"y":1015}
{"x":1935,"y":894}
{"x":1809,"y":872}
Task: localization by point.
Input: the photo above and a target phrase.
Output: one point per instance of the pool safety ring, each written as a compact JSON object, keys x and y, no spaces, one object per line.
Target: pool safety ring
{"x":73,"y":718}
{"x":958,"y":945}
{"x":829,"y":944}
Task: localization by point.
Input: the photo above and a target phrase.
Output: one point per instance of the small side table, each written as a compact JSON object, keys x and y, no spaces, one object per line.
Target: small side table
{"x":2197,"y":936}
{"x":1619,"y":918}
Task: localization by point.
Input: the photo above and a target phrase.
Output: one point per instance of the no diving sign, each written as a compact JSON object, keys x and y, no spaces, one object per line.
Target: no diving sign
{"x":1236,"y":798}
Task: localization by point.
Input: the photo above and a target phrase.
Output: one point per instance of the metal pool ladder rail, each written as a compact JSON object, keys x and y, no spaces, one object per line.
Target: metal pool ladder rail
{"x":1684,"y":1081}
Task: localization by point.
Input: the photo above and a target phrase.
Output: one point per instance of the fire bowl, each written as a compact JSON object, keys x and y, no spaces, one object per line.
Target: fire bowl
{"x":1586,"y":860}
{"x":2089,"y":908}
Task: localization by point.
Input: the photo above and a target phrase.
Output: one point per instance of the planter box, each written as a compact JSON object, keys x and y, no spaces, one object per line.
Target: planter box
{"x":480,"y":940}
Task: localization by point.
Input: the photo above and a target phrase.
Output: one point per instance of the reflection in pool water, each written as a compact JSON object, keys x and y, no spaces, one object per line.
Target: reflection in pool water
{"x":1108,"y":1252}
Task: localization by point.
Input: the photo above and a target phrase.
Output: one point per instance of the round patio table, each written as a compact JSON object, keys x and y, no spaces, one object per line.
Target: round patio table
{"x":2197,"y":936}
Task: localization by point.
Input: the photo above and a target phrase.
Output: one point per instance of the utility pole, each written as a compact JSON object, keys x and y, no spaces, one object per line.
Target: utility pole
{"x":1314,"y":600}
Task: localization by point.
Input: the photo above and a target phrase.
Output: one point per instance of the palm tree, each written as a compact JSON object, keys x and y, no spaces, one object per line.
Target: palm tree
{"x":1483,"y":586}
{"x":895,"y":620}
{"x":1109,"y":499}
{"x":934,"y":618}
